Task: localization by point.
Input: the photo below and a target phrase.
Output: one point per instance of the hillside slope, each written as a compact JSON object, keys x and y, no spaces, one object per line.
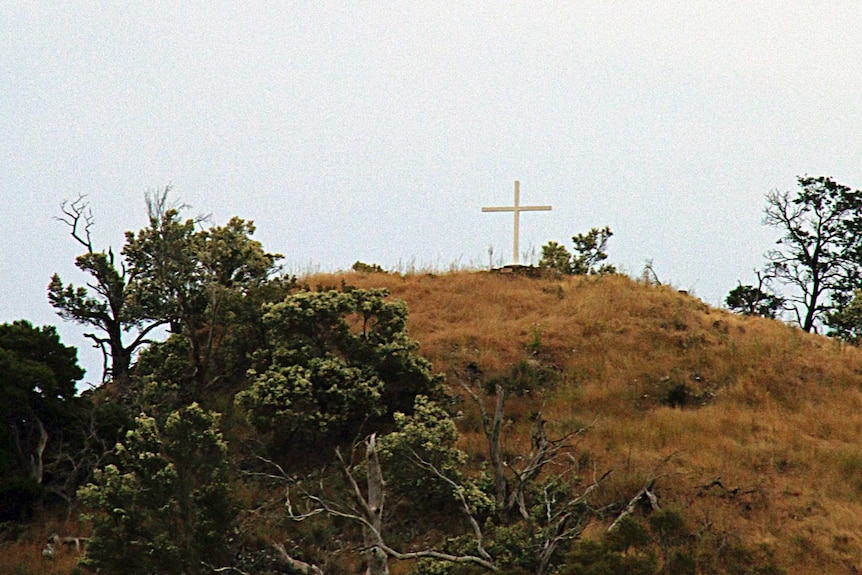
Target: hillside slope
{"x":752,"y":428}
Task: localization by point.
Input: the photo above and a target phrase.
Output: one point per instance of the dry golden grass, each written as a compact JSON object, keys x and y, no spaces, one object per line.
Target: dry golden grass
{"x":777,"y":414}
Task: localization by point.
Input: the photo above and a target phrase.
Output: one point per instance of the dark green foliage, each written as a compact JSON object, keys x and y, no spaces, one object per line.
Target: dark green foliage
{"x":557,"y":258}
{"x":334,"y":360}
{"x":164,"y":506}
{"x":39,"y":413}
{"x":19,"y":495}
{"x":110,"y":422}
{"x":680,"y":562}
{"x":515,"y":547}
{"x":752,"y":301}
{"x":664,"y":545}
{"x":167,"y":361}
{"x":591,"y":558}
{"x":845,"y":321}
{"x":589,"y":252}
{"x":427,"y":436}
{"x":668,"y":527}
{"x":628,"y":534}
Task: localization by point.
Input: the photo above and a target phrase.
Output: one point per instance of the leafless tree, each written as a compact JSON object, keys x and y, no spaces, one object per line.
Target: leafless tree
{"x":366,"y":508}
{"x":511,"y":479}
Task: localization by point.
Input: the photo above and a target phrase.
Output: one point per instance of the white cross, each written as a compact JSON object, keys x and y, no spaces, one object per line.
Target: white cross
{"x":517,"y":208}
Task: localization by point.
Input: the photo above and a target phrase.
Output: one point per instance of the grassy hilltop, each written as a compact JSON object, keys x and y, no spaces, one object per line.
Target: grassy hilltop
{"x":750,"y":429}
{"x":678,"y":390}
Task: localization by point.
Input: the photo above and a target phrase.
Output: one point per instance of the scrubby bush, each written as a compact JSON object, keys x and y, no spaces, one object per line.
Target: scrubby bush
{"x":164,"y":506}
{"x":335,"y":360}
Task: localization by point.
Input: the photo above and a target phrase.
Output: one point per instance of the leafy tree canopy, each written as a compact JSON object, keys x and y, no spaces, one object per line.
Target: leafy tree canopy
{"x":335,"y":358}
{"x":753,"y":301}
{"x":206,"y":282}
{"x":203,"y":282}
{"x":817,"y":254}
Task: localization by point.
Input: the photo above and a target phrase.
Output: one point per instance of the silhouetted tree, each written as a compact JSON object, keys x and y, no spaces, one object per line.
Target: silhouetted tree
{"x":815,"y":254}
{"x":755,"y":301}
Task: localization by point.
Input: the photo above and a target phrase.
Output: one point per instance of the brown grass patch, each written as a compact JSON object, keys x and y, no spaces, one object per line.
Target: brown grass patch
{"x":774,"y":412}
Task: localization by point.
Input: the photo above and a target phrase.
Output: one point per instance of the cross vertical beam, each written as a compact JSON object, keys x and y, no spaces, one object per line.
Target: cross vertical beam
{"x":517,"y":208}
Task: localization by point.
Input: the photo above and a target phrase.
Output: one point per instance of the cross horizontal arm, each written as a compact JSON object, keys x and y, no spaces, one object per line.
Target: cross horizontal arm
{"x":519,"y":208}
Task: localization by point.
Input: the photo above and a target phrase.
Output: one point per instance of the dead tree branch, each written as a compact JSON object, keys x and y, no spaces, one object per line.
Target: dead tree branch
{"x":77,"y":215}
{"x":465,"y":507}
{"x":566,"y":521}
{"x":295,"y":564}
{"x":645,"y":495}
{"x":510,"y":482}
{"x":367,"y":510}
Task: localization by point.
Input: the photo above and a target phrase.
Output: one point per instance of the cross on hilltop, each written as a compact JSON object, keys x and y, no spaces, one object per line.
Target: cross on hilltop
{"x":517,"y":208}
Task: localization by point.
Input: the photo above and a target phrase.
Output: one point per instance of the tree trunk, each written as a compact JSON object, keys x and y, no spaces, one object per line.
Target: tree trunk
{"x":121,"y":358}
{"x":495,"y":449}
{"x":36,"y":463}
{"x":378,"y":563}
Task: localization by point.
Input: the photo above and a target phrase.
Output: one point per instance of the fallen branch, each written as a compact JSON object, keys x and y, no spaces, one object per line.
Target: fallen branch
{"x":215,"y":569}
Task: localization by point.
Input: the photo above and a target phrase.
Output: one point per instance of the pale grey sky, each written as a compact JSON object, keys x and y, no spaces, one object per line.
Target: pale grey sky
{"x":376,"y":131}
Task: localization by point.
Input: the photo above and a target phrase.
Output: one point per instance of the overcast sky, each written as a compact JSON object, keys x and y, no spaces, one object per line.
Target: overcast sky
{"x":376,"y":131}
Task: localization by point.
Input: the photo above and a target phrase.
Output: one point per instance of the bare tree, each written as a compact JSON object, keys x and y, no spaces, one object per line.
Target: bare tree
{"x":511,"y":479}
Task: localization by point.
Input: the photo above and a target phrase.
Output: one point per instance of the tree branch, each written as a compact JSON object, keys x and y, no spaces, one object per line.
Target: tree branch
{"x":295,"y":564}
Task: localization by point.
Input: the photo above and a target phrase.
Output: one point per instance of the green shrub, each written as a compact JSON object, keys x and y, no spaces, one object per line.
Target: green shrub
{"x":165,"y":505}
{"x":335,"y":360}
